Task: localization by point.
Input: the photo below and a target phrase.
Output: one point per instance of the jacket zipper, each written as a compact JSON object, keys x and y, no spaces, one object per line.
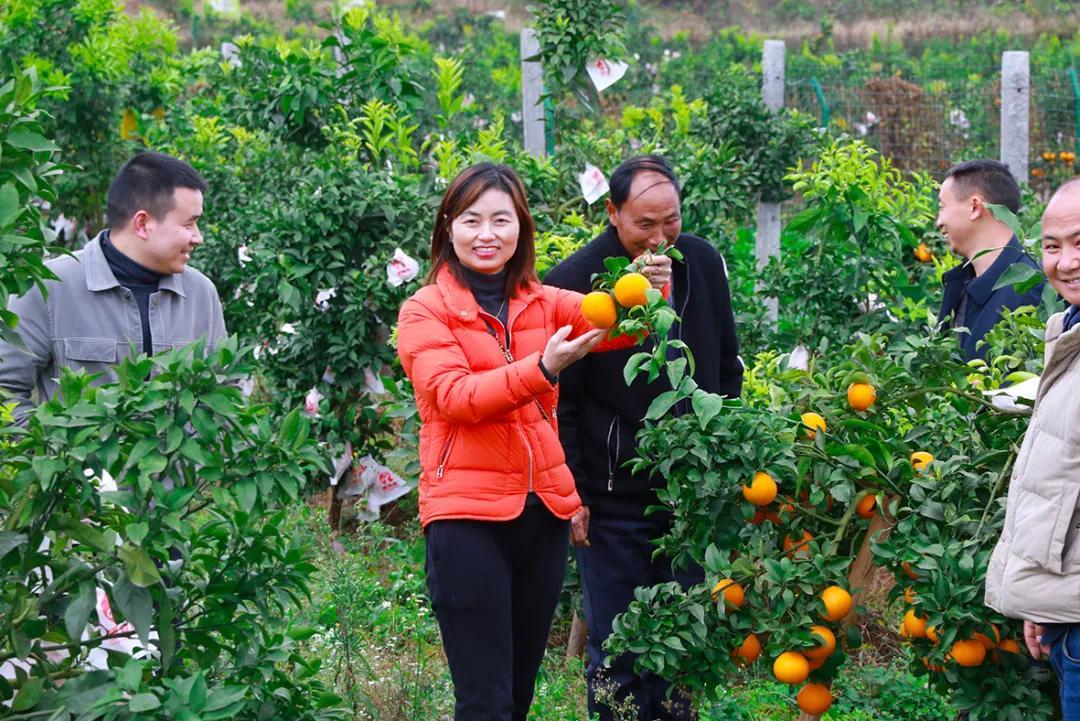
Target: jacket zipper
{"x":445,"y":455}
{"x":610,"y":463}
{"x":528,"y":452}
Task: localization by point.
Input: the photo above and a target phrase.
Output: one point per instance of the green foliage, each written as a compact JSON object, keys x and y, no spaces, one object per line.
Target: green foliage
{"x":189,"y":543}
{"x":572,"y":33}
{"x":26,"y":173}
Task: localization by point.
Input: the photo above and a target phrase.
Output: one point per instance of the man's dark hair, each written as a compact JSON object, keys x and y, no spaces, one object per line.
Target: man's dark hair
{"x":148,"y":182}
{"x":988,"y":177}
{"x":623,"y":177}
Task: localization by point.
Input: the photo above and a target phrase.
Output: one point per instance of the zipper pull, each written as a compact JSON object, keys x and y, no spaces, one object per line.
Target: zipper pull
{"x":438,"y":474}
{"x":610,"y":482}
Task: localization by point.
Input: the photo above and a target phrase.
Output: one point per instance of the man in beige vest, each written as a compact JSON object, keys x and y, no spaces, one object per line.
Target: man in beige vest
{"x":1034,"y":573}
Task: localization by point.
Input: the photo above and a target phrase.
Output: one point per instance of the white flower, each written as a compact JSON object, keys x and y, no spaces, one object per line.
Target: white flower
{"x":401,"y":268}
{"x":288,"y":329}
{"x":243,"y":255}
{"x":311,"y":402}
{"x":322,"y":298}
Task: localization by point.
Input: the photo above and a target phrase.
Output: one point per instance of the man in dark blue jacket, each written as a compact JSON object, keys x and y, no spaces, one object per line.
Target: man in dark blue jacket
{"x":987,"y":244}
{"x":599,"y":417}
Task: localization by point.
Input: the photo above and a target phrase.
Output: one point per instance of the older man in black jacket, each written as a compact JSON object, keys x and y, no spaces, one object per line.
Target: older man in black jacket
{"x":599,"y":417}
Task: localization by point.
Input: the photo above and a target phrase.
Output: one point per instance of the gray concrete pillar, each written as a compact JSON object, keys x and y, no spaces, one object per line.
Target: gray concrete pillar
{"x":768,"y":214}
{"x":532,"y":87}
{"x":1015,"y":112}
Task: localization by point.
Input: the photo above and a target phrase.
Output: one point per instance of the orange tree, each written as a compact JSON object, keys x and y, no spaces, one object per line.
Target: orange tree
{"x":891,"y":422}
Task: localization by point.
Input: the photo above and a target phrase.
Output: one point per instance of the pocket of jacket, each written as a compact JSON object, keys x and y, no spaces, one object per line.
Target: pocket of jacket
{"x":444,"y":454}
{"x":90,"y":350}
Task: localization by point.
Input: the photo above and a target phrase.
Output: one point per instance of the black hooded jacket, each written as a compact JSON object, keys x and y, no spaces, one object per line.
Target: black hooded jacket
{"x":598,"y":414}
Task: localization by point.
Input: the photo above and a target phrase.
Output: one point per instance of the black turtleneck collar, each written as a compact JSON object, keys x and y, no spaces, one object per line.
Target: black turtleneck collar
{"x":489,"y":289}
{"x":137,"y":278}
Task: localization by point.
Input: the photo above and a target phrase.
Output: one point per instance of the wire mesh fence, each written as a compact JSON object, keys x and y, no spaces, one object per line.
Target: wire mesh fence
{"x":929,"y":124}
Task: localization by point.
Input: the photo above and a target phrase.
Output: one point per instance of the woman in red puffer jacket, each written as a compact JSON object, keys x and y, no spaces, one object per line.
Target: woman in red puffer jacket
{"x":483,"y":344}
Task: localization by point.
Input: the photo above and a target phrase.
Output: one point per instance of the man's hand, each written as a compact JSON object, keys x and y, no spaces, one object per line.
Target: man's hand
{"x":657,"y":268}
{"x":560,"y":352}
{"x":579,"y":528}
{"x":1033,"y":639}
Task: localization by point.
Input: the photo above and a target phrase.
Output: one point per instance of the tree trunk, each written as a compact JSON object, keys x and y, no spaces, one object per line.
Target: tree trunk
{"x":579,"y":636}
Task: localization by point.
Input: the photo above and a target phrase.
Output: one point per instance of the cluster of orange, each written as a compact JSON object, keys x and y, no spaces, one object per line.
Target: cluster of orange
{"x":599,"y":308}
{"x":967,"y":652}
{"x":794,"y":667}
{"x":1065,"y":157}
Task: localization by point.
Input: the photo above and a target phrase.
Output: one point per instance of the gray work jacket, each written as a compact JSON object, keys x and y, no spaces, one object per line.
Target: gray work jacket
{"x":90,"y":321}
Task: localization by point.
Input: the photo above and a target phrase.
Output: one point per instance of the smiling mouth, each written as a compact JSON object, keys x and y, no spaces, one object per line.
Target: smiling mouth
{"x":486,"y":251}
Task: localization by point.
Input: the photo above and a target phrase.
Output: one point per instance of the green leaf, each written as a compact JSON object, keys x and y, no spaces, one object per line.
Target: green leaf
{"x":143,"y":702}
{"x":661,"y":405}
{"x":1007,"y":217}
{"x":246,"y":493}
{"x":10,"y":209}
{"x":166,"y":632}
{"x":140,"y":569}
{"x":630,"y":370}
{"x":136,"y":532}
{"x":9,"y":541}
{"x":29,"y":695}
{"x":77,"y":613}
{"x":1021,"y":276}
{"x":28,"y":140}
{"x":136,"y":605}
{"x":130,"y":676}
{"x":301,"y":633}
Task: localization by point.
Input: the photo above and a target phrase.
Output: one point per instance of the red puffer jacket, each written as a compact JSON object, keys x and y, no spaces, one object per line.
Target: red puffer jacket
{"x":484,"y":443}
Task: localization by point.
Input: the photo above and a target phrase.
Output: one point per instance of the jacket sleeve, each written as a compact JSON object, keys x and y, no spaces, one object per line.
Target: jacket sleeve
{"x":729,"y":365}
{"x":438,"y":366}
{"x":19,"y":367}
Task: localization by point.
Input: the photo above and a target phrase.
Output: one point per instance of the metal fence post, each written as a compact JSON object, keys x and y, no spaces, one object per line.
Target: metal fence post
{"x":1015,"y":112}
{"x":768,"y":214}
{"x":532,"y":88}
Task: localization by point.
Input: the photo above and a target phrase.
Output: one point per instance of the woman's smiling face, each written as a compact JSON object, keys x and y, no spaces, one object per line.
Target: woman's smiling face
{"x":485,"y":236}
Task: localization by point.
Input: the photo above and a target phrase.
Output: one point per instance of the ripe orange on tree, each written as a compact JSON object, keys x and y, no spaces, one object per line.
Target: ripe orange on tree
{"x":750,"y":649}
{"x":866,"y":506}
{"x":920,"y":460}
{"x":923,"y":254}
{"x":860,"y":396}
{"x":791,"y":667}
{"x":1009,"y":645}
{"x":838,"y":603}
{"x":825,"y":647}
{"x":598,"y":308}
{"x":762,"y":489}
{"x":968,"y":652}
{"x":801,"y":548}
{"x":630,"y":290}
{"x":814,"y":699}
{"x":932,"y":634}
{"x":985,"y":640}
{"x":909,"y":595}
{"x":813,"y":423}
{"x":765,"y":514}
{"x":914,"y":624}
{"x":734,"y":596}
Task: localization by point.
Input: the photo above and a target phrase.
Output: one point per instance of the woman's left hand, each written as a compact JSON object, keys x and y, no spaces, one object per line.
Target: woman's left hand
{"x":657,"y":268}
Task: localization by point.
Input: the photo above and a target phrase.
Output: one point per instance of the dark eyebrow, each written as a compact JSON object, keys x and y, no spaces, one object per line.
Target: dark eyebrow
{"x":1075,"y":233}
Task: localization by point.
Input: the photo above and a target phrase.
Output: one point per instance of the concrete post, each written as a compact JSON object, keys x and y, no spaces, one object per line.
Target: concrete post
{"x":532,"y":87}
{"x":1015,"y":112}
{"x":768,"y":214}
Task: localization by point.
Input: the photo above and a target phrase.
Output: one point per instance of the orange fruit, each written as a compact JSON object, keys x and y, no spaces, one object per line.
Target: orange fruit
{"x":814,"y":699}
{"x":630,"y":290}
{"x":813,"y":423}
{"x":932,"y":634}
{"x":825,"y":648}
{"x":923,"y":254}
{"x":791,"y":667}
{"x":968,"y":652}
{"x":762,"y":514}
{"x":985,"y":640}
{"x":838,"y":603}
{"x":750,"y":649}
{"x":914,"y":624}
{"x":861,"y":396}
{"x":909,"y":595}
{"x":734,"y":596}
{"x":598,"y":308}
{"x":801,"y":548}
{"x":920,"y":460}
{"x":762,"y":489}
{"x":816,"y":663}
{"x":933,"y":667}
{"x":1009,"y":645}
{"x":866,"y":506}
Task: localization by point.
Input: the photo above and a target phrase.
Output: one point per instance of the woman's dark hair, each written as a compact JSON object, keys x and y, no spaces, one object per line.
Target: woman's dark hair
{"x":463,"y":192}
{"x":623,"y":177}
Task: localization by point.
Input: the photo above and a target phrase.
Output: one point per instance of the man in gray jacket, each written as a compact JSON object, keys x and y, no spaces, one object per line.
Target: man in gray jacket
{"x":1034,"y":572}
{"x":129,"y":291}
